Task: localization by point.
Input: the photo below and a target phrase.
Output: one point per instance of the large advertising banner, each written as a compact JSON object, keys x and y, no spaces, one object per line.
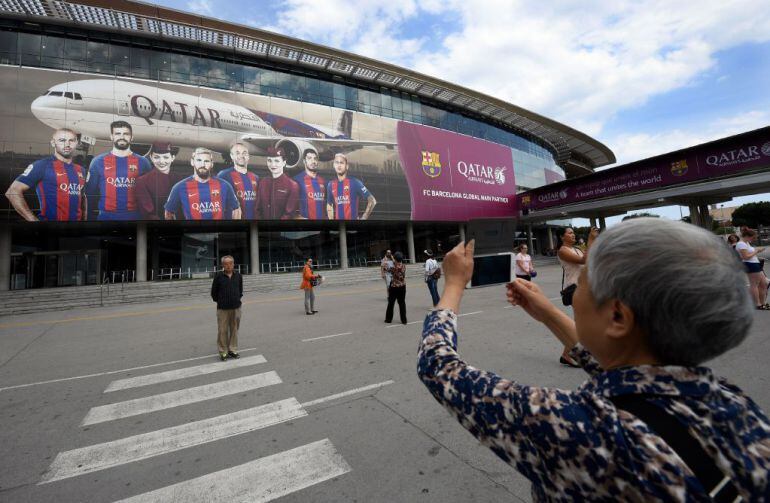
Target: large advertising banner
{"x":455,"y":177}
{"x":743,"y":153}
{"x":79,"y":147}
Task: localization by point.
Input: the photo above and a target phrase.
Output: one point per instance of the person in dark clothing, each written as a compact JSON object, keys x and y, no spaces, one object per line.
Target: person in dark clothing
{"x":153,"y":188}
{"x":278,"y":195}
{"x":397,"y":289}
{"x":226,"y":291}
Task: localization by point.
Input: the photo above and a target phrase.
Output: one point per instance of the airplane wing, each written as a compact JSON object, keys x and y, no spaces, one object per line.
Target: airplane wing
{"x":262,"y":142}
{"x":325,"y":147}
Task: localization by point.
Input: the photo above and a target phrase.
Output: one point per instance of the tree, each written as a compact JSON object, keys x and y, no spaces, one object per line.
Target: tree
{"x":752,"y":214}
{"x":638,"y":215}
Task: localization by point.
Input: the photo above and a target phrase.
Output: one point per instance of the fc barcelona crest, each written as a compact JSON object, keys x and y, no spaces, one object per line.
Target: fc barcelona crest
{"x":431,"y":165}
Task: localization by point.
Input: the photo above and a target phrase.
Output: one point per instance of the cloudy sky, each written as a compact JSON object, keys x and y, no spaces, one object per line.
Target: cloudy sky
{"x":644,"y":77}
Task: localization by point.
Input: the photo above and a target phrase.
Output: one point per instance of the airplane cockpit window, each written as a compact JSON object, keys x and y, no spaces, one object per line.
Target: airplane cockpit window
{"x":78,"y":96}
{"x":69,"y":95}
{"x":55,"y":93}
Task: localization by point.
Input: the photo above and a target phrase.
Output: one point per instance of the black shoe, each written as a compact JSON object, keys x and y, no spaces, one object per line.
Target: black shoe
{"x":233,"y":355}
{"x":223,"y":356}
{"x":315,"y":312}
{"x":403,"y":322}
{"x":568,"y":362}
{"x":308,"y":313}
{"x":386,"y":321}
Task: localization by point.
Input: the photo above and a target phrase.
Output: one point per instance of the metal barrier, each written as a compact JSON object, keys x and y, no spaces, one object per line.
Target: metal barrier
{"x":296,"y":266}
{"x":172,"y":273}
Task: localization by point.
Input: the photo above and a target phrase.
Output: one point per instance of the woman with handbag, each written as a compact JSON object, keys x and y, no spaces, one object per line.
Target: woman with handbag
{"x":572,"y":259}
{"x":757,"y":279}
{"x":309,"y":280}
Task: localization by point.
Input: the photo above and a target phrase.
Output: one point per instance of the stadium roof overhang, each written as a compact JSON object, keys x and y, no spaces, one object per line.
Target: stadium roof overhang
{"x":575,"y":152}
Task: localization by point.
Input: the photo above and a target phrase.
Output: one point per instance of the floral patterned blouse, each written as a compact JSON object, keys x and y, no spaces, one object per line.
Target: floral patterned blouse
{"x":577,"y":446}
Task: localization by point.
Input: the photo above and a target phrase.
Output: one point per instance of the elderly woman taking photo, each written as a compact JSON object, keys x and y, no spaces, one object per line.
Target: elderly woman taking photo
{"x":650,"y":423}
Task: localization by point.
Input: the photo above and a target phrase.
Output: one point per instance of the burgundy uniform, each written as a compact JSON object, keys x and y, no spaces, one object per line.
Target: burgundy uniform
{"x":278,"y":198}
{"x":152,"y":191}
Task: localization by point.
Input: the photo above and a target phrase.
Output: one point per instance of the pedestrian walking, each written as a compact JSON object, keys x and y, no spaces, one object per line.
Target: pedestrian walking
{"x":309,"y":280}
{"x":385,"y":265}
{"x":226,"y":291}
{"x":757,"y":279}
{"x":432,"y":274}
{"x":397,"y":290}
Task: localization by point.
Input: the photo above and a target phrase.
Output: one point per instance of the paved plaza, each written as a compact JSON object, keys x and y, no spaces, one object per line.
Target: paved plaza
{"x":131,"y":402}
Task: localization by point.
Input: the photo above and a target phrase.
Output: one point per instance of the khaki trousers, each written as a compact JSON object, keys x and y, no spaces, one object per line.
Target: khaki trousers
{"x":228,"y":322}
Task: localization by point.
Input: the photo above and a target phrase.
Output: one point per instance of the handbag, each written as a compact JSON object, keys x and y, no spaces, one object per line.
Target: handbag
{"x":567,"y":293}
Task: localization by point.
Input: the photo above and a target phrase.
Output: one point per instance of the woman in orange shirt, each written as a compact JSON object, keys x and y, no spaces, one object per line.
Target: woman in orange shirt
{"x":307,"y":284}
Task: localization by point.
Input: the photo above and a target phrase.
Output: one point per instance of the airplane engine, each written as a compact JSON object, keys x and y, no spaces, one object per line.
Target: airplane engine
{"x":294,"y":150}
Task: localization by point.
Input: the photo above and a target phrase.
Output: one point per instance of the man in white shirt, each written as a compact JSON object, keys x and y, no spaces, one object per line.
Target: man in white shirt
{"x":432,"y":274}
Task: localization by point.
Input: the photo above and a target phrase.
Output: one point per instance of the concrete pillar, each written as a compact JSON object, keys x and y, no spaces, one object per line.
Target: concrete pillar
{"x":410,"y":242}
{"x":141,"y":251}
{"x":592,"y":221}
{"x":705,"y":216}
{"x":343,"y":245}
{"x":5,"y":257}
{"x":694,"y":214}
{"x":602,"y":223}
{"x":462,"y":232}
{"x":550,"y":238}
{"x":254,"y":247}
{"x":529,"y":240}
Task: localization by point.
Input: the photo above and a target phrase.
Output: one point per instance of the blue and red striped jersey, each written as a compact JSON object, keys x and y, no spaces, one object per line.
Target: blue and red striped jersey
{"x":59,"y":187}
{"x":212,"y":200}
{"x":343,"y":196}
{"x":312,"y":196}
{"x":245,"y":187}
{"x":113,"y":179}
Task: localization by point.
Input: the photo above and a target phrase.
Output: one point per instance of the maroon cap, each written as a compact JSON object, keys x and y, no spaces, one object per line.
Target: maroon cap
{"x":274,"y":152}
{"x":161,"y":147}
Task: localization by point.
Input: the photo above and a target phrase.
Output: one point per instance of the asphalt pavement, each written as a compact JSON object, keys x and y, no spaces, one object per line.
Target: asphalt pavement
{"x":132,"y":403}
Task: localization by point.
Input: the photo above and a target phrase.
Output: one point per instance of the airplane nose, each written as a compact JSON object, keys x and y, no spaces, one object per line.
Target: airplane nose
{"x":38,"y":105}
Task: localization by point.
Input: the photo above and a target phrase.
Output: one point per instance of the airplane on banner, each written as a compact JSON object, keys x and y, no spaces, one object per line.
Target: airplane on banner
{"x":155,"y":114}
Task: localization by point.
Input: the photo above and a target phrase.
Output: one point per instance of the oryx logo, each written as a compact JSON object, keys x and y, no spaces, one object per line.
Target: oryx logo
{"x":431,"y":164}
{"x":500,"y":175}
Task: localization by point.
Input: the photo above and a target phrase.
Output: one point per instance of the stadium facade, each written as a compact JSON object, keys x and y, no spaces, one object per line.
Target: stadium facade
{"x":145,"y":142}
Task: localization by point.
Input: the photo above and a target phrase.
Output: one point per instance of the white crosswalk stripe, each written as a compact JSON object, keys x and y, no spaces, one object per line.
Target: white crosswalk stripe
{"x":126,"y":450}
{"x":175,"y":375}
{"x":264,"y":479}
{"x":177,"y":398}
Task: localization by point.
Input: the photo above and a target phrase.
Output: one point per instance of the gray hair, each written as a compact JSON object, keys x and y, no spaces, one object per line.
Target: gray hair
{"x":685,"y":287}
{"x":227,"y":257}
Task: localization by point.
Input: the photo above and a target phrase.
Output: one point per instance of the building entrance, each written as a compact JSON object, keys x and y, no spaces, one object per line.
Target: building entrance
{"x":55,"y":268}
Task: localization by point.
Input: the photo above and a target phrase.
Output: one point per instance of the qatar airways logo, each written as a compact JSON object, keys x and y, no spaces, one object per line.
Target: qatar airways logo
{"x":343,"y":199}
{"x":551,"y":197}
{"x":479,"y":173}
{"x":207,"y":207}
{"x":121,"y":182}
{"x":316,"y":196}
{"x":738,"y":156}
{"x":247,"y":195}
{"x":72,"y":189}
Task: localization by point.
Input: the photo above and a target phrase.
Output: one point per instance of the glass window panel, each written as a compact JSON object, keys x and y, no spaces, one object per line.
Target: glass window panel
{"x":29,"y":49}
{"x":120,"y":55}
{"x":98,"y":52}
